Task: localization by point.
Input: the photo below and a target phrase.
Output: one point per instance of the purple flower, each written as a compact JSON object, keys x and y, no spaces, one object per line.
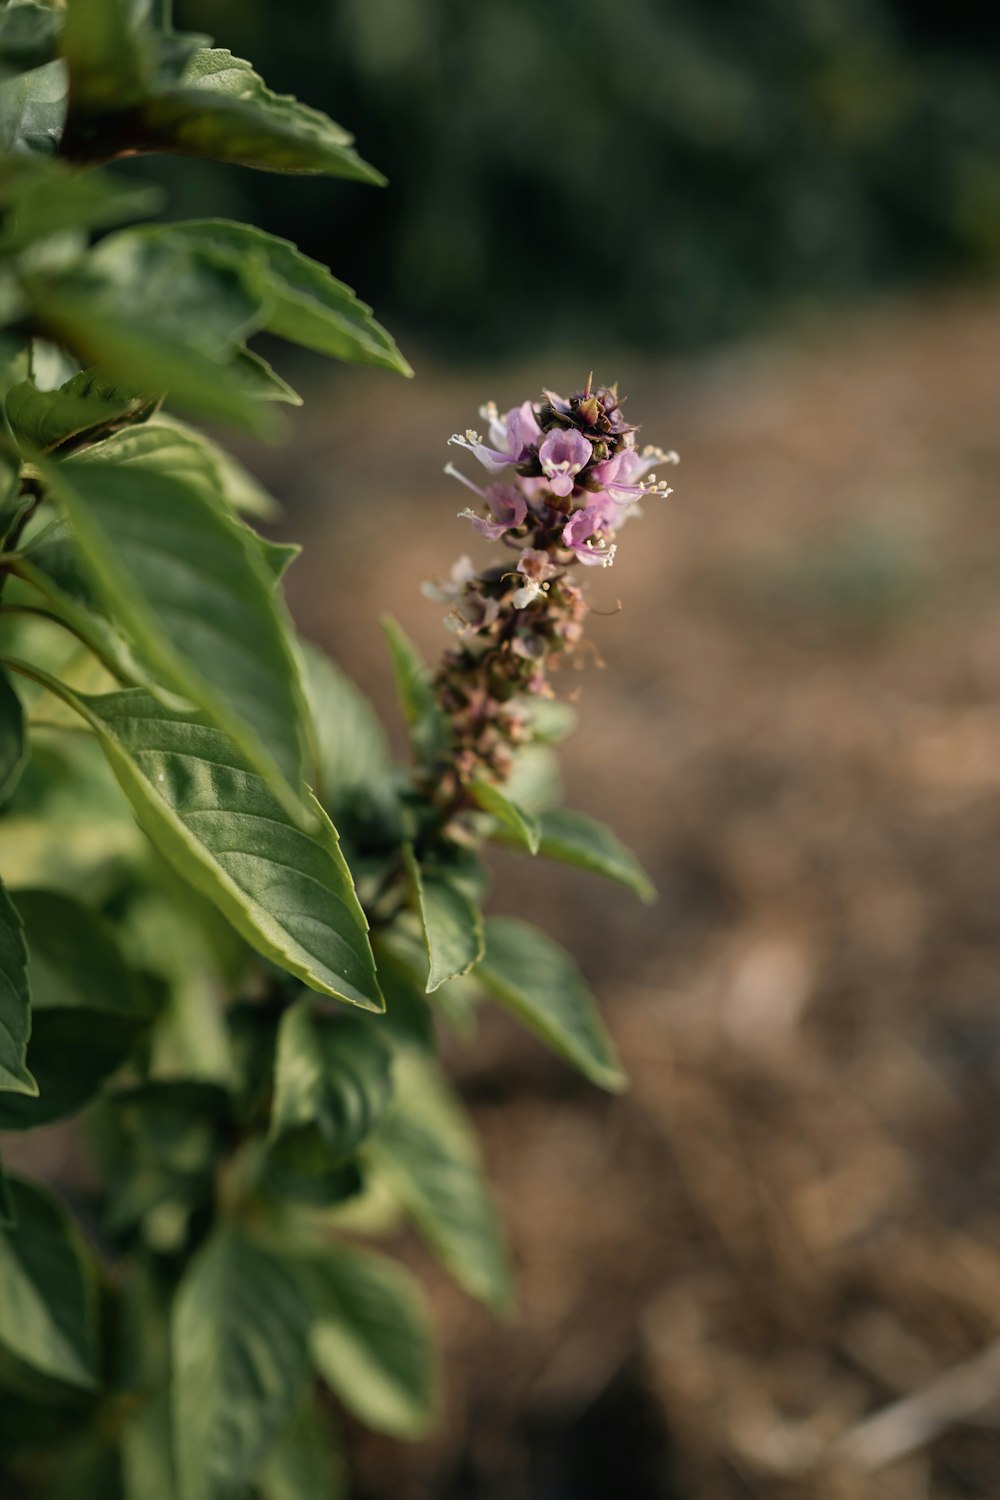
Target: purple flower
{"x":506,"y":502}
{"x":513,"y":436}
{"x":620,"y":476}
{"x":562,"y":455}
{"x":582,"y":534}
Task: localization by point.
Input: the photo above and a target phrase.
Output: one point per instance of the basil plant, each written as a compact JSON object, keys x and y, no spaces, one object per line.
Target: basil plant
{"x":230,"y":926}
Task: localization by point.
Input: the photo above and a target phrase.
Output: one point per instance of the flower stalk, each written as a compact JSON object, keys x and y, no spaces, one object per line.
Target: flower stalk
{"x":567,"y":475}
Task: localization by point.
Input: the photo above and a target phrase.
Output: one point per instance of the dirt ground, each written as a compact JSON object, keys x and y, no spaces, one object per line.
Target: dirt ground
{"x":791,"y":1224}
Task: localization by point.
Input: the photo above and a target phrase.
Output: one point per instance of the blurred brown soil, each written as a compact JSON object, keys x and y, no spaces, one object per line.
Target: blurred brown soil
{"x":792,"y":1221}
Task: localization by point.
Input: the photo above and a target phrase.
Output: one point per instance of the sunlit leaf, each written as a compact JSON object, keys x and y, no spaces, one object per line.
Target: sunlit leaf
{"x":87,"y":403}
{"x":370,"y":1339}
{"x":186,"y":584}
{"x":169,"y":444}
{"x":240,"y":1356}
{"x":158,"y":315}
{"x":427,"y":725}
{"x":288,"y":892}
{"x":304,"y":1463}
{"x":305,"y":304}
{"x":428,"y":1153}
{"x":539,"y":983}
{"x":574,"y":839}
{"x":452,"y":922}
{"x":523,"y":825}
{"x":42,"y":197}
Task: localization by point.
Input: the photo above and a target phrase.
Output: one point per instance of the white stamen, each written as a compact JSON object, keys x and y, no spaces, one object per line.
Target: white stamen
{"x":454,"y":473}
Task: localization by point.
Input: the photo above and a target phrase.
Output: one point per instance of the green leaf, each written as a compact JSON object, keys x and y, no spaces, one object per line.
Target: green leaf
{"x":261,"y":381}
{"x":42,"y":197}
{"x":48,"y":1291}
{"x":430,"y":735}
{"x":240,"y":1356}
{"x":305,"y":304}
{"x":551,"y":719}
{"x":85,"y":404}
{"x":289,"y":893}
{"x":428,"y":1154}
{"x":15,"y":1013}
{"x":158,"y":315}
{"x":33,"y":110}
{"x":29,"y":35}
{"x":51,"y":565}
{"x":574,"y":839}
{"x":522,"y":824}
{"x":87,"y":1011}
{"x":452,"y":922}
{"x":352,"y":752}
{"x":187,"y":585}
{"x":168,"y":444}
{"x":224,"y":110}
{"x":110,"y":58}
{"x":534,"y":782}
{"x":539,"y":983}
{"x":13,"y":746}
{"x":371,"y":1341}
{"x":332,"y":1083}
{"x":303,"y":1464}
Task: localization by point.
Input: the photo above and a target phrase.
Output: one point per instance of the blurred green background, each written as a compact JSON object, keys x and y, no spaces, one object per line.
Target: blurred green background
{"x":644,"y":174}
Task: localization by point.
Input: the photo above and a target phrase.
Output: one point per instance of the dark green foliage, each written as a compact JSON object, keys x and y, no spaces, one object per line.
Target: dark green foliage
{"x":234,"y":1002}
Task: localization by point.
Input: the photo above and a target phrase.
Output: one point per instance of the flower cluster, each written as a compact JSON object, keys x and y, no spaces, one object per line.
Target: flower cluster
{"x":566,"y":476}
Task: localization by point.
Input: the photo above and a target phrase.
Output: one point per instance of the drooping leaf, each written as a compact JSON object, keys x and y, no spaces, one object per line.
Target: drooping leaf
{"x":352,"y":752}
{"x":85,"y":404}
{"x":427,"y":725}
{"x":427,"y":1152}
{"x":304,"y":1464}
{"x":539,"y":983}
{"x":261,"y":380}
{"x":29,"y":35}
{"x":332,"y":1083}
{"x":371,"y":1341}
{"x":240,"y":1356}
{"x":189,"y":588}
{"x":305,"y":304}
{"x":166,"y":443}
{"x":48,"y":1291}
{"x":33,"y":110}
{"x":452,"y":922}
{"x":222,"y":109}
{"x":575,"y":839}
{"x":160,"y":316}
{"x":42,"y":197}
{"x":15,"y":1011}
{"x":289,"y":893}
{"x":87,"y":1010}
{"x":13,"y":748}
{"x":523,"y":825}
